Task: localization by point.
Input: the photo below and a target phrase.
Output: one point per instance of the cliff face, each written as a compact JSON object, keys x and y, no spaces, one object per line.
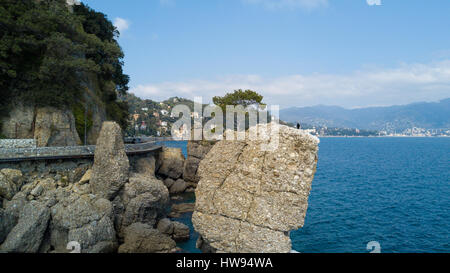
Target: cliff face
{"x":48,"y":125}
{"x":55,"y":127}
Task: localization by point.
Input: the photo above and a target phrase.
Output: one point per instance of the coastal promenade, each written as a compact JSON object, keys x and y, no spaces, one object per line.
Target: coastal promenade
{"x":70,"y":152}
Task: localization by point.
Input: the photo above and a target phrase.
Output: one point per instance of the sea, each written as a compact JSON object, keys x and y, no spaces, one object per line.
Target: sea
{"x":390,"y":195}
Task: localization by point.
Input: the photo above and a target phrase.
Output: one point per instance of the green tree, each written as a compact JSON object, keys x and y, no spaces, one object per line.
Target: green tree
{"x":239,"y":97}
{"x":47,"y":54}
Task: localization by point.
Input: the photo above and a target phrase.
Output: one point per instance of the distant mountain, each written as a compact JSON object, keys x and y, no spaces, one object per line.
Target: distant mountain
{"x":433,"y":115}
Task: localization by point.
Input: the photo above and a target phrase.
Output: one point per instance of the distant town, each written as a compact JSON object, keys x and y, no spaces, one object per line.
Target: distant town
{"x":150,"y":118}
{"x":353,"y":132}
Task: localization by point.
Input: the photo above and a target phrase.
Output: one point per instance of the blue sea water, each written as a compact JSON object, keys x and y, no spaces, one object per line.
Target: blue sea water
{"x":395,"y":191}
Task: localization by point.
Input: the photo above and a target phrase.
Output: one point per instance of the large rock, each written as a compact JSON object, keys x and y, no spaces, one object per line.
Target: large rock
{"x":171,"y":163}
{"x":178,"y":187}
{"x":141,"y":238}
{"x":83,"y":219}
{"x":146,"y":165}
{"x":181,"y":232}
{"x":27,"y":235}
{"x":19,"y":123}
{"x":7,"y":223}
{"x":144,"y":199}
{"x":111,"y":166}
{"x":248,"y":199}
{"x":10,"y":183}
{"x":196,"y":151}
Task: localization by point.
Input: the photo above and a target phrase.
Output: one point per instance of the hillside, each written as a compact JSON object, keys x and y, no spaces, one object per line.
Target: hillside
{"x":434,"y":115}
{"x":152,"y":118}
{"x":60,"y":72}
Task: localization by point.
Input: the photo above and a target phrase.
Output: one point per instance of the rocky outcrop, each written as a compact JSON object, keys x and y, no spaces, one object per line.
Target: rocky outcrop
{"x":10,"y":183}
{"x":144,"y":199}
{"x":171,"y":163}
{"x":146,"y":166}
{"x":142,"y":238}
{"x":96,"y":208}
{"x":249,"y":199}
{"x":48,"y":125}
{"x":27,"y":235}
{"x":196,"y":151}
{"x":111,"y":166}
{"x":178,"y":186}
{"x":85,"y":219}
{"x":176,"y":230}
{"x":178,"y":210}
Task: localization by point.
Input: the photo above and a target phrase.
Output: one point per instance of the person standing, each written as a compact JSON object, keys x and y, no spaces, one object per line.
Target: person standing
{"x":298,"y":126}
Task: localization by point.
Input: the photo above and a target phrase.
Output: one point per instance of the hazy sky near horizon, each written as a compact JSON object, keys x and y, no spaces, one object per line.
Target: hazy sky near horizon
{"x":351,"y":53}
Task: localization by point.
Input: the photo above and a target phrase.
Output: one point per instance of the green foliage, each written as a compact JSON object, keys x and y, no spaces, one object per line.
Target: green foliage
{"x":81,"y":119}
{"x":46,"y":53}
{"x":239,"y":97}
{"x":118,"y":111}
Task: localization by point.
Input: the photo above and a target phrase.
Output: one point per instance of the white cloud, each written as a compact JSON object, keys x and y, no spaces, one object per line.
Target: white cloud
{"x":121,"y":24}
{"x":374,"y":2}
{"x":405,"y":84}
{"x":277,"y":4}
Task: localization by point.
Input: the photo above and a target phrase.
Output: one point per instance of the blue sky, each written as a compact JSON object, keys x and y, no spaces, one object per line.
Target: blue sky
{"x":352,"y":53}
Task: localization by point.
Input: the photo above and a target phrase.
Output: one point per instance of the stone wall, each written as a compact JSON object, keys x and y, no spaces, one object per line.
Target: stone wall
{"x":17,"y":143}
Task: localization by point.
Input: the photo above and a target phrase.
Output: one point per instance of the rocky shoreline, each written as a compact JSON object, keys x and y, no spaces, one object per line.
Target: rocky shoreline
{"x":247,"y":200}
{"x":106,"y":207}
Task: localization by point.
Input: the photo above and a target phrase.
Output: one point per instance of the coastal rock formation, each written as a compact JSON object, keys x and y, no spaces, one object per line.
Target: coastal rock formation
{"x":196,"y":151}
{"x":249,"y":199}
{"x":142,"y":238}
{"x":111,"y":165}
{"x":144,"y":199}
{"x":10,"y":183}
{"x":171,"y":162}
{"x":176,"y":230}
{"x":98,"y":207}
{"x":178,"y":186}
{"x":48,"y":125}
{"x":27,"y":235}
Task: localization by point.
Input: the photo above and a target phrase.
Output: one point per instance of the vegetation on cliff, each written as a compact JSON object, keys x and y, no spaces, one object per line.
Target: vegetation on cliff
{"x":47,"y":53}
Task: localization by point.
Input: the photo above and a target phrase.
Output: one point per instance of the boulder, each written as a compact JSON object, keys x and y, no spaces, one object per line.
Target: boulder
{"x":141,"y":238}
{"x":111,"y":166}
{"x":171,"y":163}
{"x":196,"y":151}
{"x":190,"y":169}
{"x":180,"y":209}
{"x":178,"y":187}
{"x":249,"y":198}
{"x":165,"y":226}
{"x":10,"y":183}
{"x":27,"y":235}
{"x":146,"y":166}
{"x":169,"y":182}
{"x":86,"y":177}
{"x":181,"y":232}
{"x":83,"y":219}
{"x":7,"y":223}
{"x":144,"y":199}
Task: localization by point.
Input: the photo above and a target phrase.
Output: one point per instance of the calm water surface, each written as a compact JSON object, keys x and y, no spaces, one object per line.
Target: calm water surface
{"x":392,"y":190}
